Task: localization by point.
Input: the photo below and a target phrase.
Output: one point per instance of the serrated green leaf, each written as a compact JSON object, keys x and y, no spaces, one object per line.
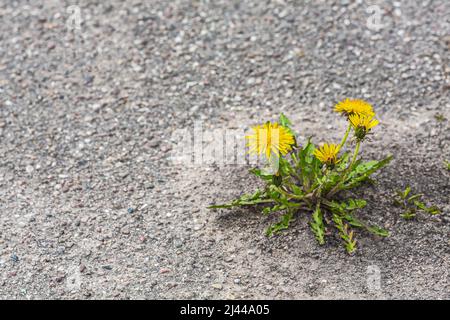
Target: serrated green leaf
{"x":344,"y":211}
{"x":257,"y":197}
{"x":275,"y":208}
{"x":352,"y":220}
{"x":273,"y":192}
{"x":344,"y":207}
{"x":345,"y":232}
{"x":433,"y":210}
{"x":362,"y":171}
{"x":317,"y":226}
{"x":409,"y":214}
{"x":280,"y":225}
{"x":350,"y":246}
{"x":378,"y":231}
{"x":420,"y":205}
{"x":354,"y":204}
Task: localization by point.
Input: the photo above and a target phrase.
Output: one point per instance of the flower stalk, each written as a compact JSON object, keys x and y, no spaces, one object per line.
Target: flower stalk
{"x":344,"y":139}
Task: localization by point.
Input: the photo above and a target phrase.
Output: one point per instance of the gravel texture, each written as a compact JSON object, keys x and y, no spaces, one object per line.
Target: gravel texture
{"x":92,"y":206}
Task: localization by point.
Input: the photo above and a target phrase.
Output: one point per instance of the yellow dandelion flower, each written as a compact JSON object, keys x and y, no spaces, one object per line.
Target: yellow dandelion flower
{"x":327,"y":153}
{"x":270,"y":139}
{"x":350,"y":107}
{"x":362,"y":124}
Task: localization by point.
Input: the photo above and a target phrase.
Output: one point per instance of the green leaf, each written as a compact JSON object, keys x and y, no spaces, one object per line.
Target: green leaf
{"x":354,"y":204}
{"x":329,"y":181}
{"x":275,"y":208}
{"x":317,"y":226}
{"x":296,"y":190}
{"x":284,"y":121}
{"x":343,"y":207}
{"x":308,"y":165}
{"x":367,"y":168}
{"x":280,"y":225}
{"x":353,"y":221}
{"x":305,"y":154}
{"x":409,"y":214}
{"x":345,"y":212}
{"x":362,"y":171}
{"x":420,"y":205}
{"x":245,"y":200}
{"x":378,"y":231}
{"x":412,"y":204}
{"x":261,"y":174}
{"x":350,"y":245}
{"x":433,"y":210}
{"x":274,"y":193}
{"x":343,"y":162}
{"x":406,"y":192}
{"x":345,"y":232}
{"x":414,"y":197}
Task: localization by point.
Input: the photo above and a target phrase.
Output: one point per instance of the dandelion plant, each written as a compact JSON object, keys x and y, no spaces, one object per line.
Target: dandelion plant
{"x":303,"y":178}
{"x":411,"y":204}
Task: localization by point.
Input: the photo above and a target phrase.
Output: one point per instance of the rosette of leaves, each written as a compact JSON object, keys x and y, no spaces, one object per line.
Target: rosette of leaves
{"x":304,"y":184}
{"x":413,"y":203}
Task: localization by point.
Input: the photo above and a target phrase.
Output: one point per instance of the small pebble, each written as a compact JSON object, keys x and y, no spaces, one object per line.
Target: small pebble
{"x":217,"y":286}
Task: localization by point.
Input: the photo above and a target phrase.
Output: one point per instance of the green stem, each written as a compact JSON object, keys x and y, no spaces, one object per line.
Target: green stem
{"x":344,"y":139}
{"x":295,"y":158}
{"x":355,"y":154}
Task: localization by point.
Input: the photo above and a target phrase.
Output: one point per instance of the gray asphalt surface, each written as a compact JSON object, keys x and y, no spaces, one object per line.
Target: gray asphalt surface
{"x":92,"y":92}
